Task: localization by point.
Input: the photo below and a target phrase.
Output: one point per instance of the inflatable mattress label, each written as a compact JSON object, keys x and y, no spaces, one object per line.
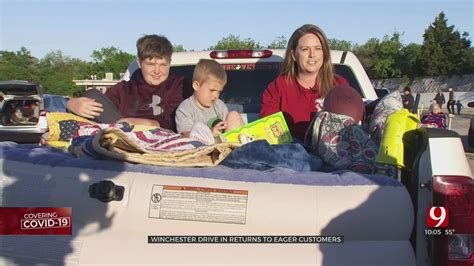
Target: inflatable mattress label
{"x":200,"y":204}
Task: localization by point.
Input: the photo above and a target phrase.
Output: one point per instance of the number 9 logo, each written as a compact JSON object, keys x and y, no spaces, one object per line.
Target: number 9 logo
{"x":437,"y":217}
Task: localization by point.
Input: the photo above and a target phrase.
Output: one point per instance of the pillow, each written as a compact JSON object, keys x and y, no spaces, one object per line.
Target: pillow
{"x":389,"y":104}
{"x":341,"y":142}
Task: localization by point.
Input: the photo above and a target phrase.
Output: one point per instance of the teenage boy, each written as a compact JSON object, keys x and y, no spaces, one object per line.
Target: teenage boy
{"x":150,"y":97}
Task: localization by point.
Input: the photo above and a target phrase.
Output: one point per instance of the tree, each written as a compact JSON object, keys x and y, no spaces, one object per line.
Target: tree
{"x":342,"y":45}
{"x":178,"y":48}
{"x":444,"y":50}
{"x":381,"y":59}
{"x":279,"y":43}
{"x":57,"y":73}
{"x":110,"y":59}
{"x":234,"y":42}
{"x":469,"y":67}
{"x":388,"y":63}
{"x":367,"y":54}
{"x":20,"y":65}
{"x":411,"y":60}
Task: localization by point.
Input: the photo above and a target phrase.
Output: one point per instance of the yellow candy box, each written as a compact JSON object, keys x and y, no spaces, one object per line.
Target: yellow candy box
{"x":272,"y":128}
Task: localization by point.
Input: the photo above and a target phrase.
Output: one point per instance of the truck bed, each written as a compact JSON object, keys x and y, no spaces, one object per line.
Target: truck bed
{"x":373,"y":213}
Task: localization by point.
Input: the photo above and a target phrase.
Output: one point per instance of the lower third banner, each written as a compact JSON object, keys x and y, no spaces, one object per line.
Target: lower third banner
{"x":35,"y":221}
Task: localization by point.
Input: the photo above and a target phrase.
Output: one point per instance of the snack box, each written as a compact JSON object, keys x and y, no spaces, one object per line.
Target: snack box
{"x":273,"y":128}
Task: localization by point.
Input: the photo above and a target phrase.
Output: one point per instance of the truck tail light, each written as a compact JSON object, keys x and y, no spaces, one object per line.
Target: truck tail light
{"x":455,"y":193}
{"x":460,"y":248}
{"x":43,"y":112}
{"x":249,"y":53}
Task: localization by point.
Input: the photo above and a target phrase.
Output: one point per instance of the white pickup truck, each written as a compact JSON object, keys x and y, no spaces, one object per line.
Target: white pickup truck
{"x":220,"y":216}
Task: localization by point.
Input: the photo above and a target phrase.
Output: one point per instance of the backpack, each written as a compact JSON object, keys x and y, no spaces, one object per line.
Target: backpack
{"x":341,"y":143}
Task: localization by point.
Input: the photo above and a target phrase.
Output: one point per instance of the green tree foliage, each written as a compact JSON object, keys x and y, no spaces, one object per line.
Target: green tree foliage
{"x":411,"y":60}
{"x":109,"y":59}
{"x":234,"y":42}
{"x":178,"y":48}
{"x":469,"y":67}
{"x":381,"y":59}
{"x":19,"y":65}
{"x":279,"y":43}
{"x":444,"y":50}
{"x":342,"y":45}
{"x":57,"y":73}
{"x":367,"y":54}
{"x":388,"y":63}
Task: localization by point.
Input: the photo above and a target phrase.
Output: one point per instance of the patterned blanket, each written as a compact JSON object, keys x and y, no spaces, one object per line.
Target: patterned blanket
{"x":131,"y":143}
{"x":155,"y":147}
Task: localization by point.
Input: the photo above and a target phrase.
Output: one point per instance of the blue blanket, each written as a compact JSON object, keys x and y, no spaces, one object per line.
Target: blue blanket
{"x":260,"y":155}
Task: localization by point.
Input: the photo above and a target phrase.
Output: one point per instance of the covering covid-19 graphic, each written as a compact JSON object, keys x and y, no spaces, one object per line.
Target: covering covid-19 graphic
{"x":35,"y":221}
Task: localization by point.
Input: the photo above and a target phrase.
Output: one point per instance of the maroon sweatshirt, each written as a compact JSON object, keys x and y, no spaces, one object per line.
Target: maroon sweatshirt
{"x":297,"y":103}
{"x":136,"y":98}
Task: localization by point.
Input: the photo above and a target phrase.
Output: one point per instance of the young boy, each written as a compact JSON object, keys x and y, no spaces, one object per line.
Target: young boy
{"x":203,"y":115}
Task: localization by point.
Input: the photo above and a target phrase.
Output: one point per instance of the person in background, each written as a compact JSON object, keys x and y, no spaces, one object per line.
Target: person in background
{"x":451,"y":101}
{"x":407,"y":98}
{"x":31,"y":112}
{"x":435,"y":117}
{"x":459,"y":106}
{"x":150,"y":97}
{"x":16,"y":115}
{"x":439,"y":99}
{"x":306,"y":77}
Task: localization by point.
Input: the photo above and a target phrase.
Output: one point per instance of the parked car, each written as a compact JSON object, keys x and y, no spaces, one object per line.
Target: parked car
{"x":382,"y":92}
{"x":23,"y":118}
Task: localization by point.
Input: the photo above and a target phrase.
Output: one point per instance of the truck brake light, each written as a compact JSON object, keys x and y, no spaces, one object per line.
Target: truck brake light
{"x":456,"y":193}
{"x":250,"y":53}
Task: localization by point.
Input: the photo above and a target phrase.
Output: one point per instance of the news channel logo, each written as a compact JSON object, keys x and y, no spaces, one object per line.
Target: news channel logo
{"x":437,"y":217}
{"x":437,"y":221}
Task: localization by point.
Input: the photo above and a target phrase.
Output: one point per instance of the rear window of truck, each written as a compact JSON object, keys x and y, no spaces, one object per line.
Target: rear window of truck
{"x":246,"y":82}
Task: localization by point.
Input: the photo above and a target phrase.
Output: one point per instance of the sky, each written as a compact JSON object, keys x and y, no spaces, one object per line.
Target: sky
{"x":78,"y":27}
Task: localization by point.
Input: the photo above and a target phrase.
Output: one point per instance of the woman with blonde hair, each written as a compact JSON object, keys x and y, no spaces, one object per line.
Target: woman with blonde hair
{"x":435,"y":117}
{"x":306,"y":77}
